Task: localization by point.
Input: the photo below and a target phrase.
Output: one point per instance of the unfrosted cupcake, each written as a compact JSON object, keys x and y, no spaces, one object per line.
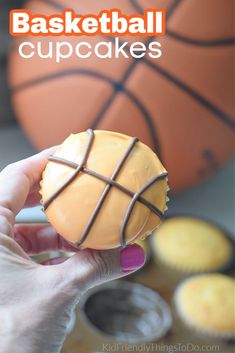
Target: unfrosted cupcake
{"x":206,"y":304}
{"x":192,"y":245}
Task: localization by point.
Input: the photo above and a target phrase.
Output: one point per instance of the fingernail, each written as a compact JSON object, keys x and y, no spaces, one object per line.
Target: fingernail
{"x":131,"y":258}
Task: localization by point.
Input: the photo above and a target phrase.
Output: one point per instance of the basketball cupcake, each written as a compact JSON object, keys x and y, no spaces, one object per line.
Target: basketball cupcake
{"x":205,"y":303}
{"x":104,"y":189}
{"x":190,"y":245}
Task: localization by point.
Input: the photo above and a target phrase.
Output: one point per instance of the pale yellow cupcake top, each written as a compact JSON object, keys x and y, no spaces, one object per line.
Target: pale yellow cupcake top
{"x":192,"y":245}
{"x":207,"y":303}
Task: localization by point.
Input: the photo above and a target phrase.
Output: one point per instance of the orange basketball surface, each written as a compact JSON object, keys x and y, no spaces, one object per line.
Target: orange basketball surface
{"x":181,"y":105}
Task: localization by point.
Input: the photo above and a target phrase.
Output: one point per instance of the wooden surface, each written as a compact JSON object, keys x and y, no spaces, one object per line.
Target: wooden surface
{"x":84,"y":340}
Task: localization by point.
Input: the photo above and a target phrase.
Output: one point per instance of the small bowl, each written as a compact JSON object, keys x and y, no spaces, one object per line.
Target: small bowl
{"x":122,"y":311}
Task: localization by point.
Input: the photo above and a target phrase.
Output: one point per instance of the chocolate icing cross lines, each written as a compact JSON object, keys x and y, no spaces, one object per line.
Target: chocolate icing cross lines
{"x":110,"y":182}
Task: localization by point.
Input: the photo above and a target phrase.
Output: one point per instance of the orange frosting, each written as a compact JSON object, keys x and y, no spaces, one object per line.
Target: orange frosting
{"x":70,"y":211}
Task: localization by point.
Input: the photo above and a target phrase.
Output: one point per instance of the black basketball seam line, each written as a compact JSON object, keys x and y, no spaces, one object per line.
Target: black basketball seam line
{"x":169,"y":11}
{"x":125,"y":78}
{"x":130,"y":95}
{"x":127,"y":75}
{"x":225,"y":118}
{"x":136,"y":61}
{"x":148,"y":120}
{"x":202,"y":43}
{"x":185,"y":88}
{"x":136,"y":6}
{"x":59,"y":74}
{"x":184,"y":39}
{"x":200,"y":99}
{"x":123,"y":81}
{"x":147,"y":117}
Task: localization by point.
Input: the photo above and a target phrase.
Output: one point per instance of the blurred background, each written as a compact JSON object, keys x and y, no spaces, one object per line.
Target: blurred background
{"x":210,"y":196}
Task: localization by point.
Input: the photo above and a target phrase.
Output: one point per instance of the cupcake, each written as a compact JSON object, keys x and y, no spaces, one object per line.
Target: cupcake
{"x":191,"y":245}
{"x":102,"y":190}
{"x":205,"y":303}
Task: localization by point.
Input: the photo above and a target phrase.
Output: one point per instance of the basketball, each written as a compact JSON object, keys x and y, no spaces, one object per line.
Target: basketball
{"x":181,"y":104}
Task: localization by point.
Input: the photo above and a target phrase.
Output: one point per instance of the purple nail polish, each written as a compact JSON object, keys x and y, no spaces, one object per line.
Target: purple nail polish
{"x":131,"y":258}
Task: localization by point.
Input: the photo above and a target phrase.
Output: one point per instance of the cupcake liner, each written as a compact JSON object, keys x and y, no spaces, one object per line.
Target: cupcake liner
{"x":191,"y":324}
{"x":148,"y":250}
{"x":147,"y":234}
{"x":170,"y":274}
{"x":186,"y":271}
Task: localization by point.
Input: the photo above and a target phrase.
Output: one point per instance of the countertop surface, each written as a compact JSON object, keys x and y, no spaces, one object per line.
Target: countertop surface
{"x":213,"y":200}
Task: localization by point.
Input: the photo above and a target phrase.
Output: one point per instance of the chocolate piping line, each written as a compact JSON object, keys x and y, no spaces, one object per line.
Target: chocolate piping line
{"x":106,"y":191}
{"x":111,"y":182}
{"x":78,"y":170}
{"x":133,"y":202}
{"x":108,"y":181}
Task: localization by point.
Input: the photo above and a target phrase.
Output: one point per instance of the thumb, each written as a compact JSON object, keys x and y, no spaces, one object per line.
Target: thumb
{"x":89,"y":268}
